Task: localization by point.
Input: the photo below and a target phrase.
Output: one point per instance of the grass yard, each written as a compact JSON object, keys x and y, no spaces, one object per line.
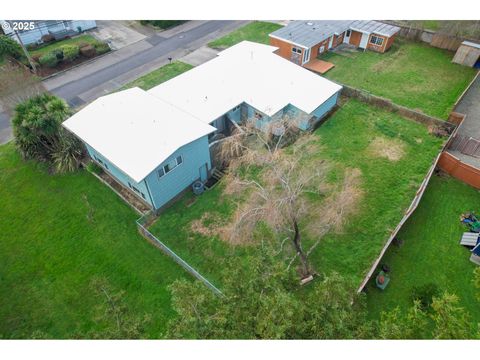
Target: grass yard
{"x":159,"y":75}
{"x":431,"y":251}
{"x":88,"y":39}
{"x":256,"y":31}
{"x":412,"y":74}
{"x":59,"y":232}
{"x":349,"y":139}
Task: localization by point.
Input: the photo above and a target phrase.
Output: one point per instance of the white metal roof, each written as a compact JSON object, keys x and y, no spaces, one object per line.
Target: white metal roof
{"x":134,"y":130}
{"x":311,"y":32}
{"x":472,"y":44}
{"x":375,"y":27}
{"x":247,"y":72}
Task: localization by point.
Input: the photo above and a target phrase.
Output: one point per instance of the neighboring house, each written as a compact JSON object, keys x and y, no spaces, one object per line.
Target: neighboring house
{"x":302,"y":41}
{"x":31,"y":32}
{"x":157,"y":143}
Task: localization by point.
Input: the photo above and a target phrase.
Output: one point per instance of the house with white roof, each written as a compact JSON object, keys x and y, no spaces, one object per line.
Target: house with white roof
{"x":156,"y":143}
{"x":302,"y":41}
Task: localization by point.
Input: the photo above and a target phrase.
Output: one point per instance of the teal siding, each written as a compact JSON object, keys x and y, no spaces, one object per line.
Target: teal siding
{"x":328,"y":105}
{"x":157,"y":191}
{"x":195,"y":156}
{"x":119,"y":174}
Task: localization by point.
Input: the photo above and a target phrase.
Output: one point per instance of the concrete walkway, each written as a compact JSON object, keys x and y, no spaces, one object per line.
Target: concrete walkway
{"x":87,"y":82}
{"x":470,"y":106}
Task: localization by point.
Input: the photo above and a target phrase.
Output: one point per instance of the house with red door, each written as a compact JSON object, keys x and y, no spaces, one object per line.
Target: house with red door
{"x":302,"y":41}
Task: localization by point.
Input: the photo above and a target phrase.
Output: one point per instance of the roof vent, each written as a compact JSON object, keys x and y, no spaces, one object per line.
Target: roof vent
{"x":309,"y":23}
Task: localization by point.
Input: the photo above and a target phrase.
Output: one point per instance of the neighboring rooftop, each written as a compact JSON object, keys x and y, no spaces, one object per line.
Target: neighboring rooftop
{"x":310,"y":32}
{"x":472,"y":44}
{"x":134,"y":130}
{"x":247,"y":72}
{"x":375,"y":27}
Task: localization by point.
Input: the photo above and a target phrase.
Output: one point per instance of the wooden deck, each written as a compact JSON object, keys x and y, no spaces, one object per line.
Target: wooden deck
{"x":319,"y":66}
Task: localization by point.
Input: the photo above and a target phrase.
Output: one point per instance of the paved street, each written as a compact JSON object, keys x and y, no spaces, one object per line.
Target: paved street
{"x":108,"y":73}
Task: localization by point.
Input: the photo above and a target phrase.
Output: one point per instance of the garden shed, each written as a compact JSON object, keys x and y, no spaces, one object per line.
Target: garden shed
{"x":468,"y":54}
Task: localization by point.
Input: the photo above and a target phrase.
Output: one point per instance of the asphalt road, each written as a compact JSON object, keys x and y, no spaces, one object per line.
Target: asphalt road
{"x":88,"y":84}
{"x":161,"y":47}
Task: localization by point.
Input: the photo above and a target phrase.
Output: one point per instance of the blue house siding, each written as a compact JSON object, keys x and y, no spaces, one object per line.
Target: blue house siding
{"x":156,"y":190}
{"x":328,"y":105}
{"x":119,"y":175}
{"x":44,"y":27}
{"x":196,"y":156}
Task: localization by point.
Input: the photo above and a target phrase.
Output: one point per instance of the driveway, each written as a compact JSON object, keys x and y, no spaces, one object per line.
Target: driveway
{"x":117,"y":33}
{"x":470,"y":106}
{"x":105,"y":74}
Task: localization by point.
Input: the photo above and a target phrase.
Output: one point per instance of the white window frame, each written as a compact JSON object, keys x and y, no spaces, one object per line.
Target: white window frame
{"x":178,"y":160}
{"x":376,"y":40}
{"x":306,"y":56}
{"x":321,"y":49}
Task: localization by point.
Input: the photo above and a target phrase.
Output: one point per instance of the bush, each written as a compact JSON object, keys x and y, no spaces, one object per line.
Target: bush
{"x":58,"y":52}
{"x":94,"y":168}
{"x":70,"y":52}
{"x":49,"y":60}
{"x":9,"y":47}
{"x":88,"y":51}
{"x":47,"y":38}
{"x":101,"y":48}
{"x":162,"y":24}
{"x":425,"y":294}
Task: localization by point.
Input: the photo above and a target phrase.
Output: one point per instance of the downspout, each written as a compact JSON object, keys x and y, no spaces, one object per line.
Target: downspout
{"x":149,"y":194}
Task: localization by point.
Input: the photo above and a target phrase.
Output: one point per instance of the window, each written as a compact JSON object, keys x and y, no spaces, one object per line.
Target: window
{"x":321,"y":49}
{"x":236,"y":108}
{"x":376,"y":40}
{"x":101,"y":162}
{"x":258,"y":115}
{"x":348,"y":33}
{"x":296,"y":50}
{"x":136,"y":190}
{"x":306,"y":55}
{"x":165,"y":169}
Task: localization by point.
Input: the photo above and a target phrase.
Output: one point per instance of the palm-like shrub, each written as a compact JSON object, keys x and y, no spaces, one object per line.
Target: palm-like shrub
{"x":39,"y":134}
{"x":67,"y":154}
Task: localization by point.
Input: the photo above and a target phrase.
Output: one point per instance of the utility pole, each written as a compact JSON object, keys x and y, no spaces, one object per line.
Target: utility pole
{"x":25,"y":51}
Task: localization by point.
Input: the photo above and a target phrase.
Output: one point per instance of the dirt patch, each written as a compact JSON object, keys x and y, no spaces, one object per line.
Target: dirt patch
{"x":391,"y":149}
{"x":208,"y":225}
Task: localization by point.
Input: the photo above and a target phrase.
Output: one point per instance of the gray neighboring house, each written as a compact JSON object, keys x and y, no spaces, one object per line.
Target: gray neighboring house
{"x":31,"y":31}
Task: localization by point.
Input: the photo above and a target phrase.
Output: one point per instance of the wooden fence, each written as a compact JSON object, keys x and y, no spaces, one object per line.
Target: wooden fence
{"x":387,"y":104}
{"x":435,"y":39}
{"x":458,"y":169}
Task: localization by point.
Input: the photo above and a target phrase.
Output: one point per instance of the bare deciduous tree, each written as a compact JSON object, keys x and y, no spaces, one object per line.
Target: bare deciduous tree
{"x":281,"y":197}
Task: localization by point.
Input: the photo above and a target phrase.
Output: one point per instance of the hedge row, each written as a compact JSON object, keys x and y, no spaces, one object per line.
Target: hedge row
{"x":69,"y":53}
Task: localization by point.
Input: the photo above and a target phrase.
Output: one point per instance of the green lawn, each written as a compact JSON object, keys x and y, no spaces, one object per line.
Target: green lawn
{"x":60,"y":231}
{"x":88,"y":39}
{"x":255,"y":31}
{"x":431,"y":251}
{"x":159,"y":75}
{"x":411,"y":74}
{"x":344,"y":140}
